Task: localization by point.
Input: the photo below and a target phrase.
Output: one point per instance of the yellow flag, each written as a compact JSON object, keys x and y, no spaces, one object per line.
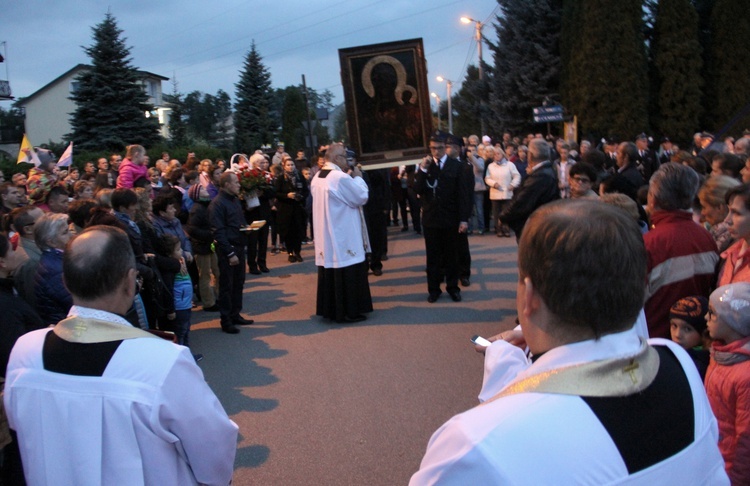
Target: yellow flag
{"x":27,"y":153}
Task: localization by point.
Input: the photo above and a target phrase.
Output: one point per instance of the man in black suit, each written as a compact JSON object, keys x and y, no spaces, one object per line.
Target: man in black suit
{"x":446,"y":204}
{"x":647,"y":162}
{"x":539,"y":188}
{"x":628,"y":178}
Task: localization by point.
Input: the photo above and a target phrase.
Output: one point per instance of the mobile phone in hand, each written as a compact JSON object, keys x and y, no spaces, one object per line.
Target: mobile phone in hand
{"x":480,"y":341}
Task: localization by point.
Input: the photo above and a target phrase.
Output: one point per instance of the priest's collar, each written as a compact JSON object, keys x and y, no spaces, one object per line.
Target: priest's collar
{"x":89,"y":313}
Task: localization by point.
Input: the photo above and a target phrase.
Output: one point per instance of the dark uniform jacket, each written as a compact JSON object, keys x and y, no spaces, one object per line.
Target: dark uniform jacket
{"x":448,"y":203}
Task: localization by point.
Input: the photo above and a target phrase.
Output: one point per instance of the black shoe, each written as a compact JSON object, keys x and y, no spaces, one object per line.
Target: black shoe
{"x":419,"y":232}
{"x":404,"y":229}
{"x":384,"y":258}
{"x":377,"y":272}
{"x":241,"y":321}
{"x":198,"y":358}
{"x":352,"y":319}
{"x":456,"y":296}
{"x":263,"y":268}
{"x":432,"y":298}
{"x":465,"y":282}
{"x":292,"y":258}
{"x":213,"y":308}
{"x":230,"y":329}
{"x":254,"y":271}
{"x":298,"y":257}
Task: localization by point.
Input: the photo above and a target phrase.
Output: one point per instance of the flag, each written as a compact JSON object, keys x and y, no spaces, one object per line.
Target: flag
{"x":67,"y":157}
{"x":27,"y":153}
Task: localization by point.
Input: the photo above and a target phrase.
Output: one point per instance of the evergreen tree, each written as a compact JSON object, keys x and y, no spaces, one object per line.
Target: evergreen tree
{"x":677,"y":84}
{"x":177,"y":128}
{"x":293,"y":114}
{"x":222,"y":109}
{"x":253,"y":120}
{"x":608,"y":84}
{"x":729,"y":65}
{"x":110,"y":102}
{"x":466,"y":103}
{"x":527,"y":61}
{"x":340,"y":128}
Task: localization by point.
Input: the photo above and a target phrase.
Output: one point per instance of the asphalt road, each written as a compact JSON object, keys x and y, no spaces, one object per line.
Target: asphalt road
{"x":320,"y":403}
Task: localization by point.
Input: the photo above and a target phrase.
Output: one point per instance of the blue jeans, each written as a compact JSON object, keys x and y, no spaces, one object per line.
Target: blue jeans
{"x":478,"y":214}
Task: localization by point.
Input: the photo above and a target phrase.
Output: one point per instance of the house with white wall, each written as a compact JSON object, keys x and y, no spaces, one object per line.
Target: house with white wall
{"x":48,"y":109}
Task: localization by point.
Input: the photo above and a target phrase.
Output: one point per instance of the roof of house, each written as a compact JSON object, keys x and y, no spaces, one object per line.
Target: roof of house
{"x":77,"y":67}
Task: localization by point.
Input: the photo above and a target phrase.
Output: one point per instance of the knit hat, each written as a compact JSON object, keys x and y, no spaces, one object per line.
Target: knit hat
{"x":732,"y":305}
{"x":691,"y":310}
{"x":194,"y":192}
{"x":486,"y":139}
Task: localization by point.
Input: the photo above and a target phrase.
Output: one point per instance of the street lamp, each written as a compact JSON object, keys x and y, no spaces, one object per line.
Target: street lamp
{"x":478,"y":35}
{"x":437,"y":98}
{"x":449,"y":85}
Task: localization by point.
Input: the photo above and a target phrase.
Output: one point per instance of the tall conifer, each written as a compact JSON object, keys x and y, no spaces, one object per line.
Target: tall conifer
{"x":678,"y":84}
{"x":527,"y":61}
{"x":608,"y":82}
{"x":110,"y":101}
{"x":729,"y":65}
{"x":253,"y":119}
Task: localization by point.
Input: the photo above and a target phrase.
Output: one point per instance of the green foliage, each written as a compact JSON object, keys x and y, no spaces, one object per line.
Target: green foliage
{"x":607,"y":82}
{"x":293,"y":114}
{"x":340,"y":131}
{"x":11,"y":125}
{"x":729,"y":65}
{"x":527,"y":62}
{"x":177,"y":125}
{"x":254,"y":123}
{"x":110,"y":102}
{"x":466,"y":104}
{"x":677,"y":84}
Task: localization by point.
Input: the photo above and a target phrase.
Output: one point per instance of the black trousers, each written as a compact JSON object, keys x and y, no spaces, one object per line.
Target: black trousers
{"x":257,"y":246}
{"x":464,"y":256}
{"x":231,"y":284}
{"x":441,"y":247}
{"x":415,"y":207}
{"x":377,"y":227}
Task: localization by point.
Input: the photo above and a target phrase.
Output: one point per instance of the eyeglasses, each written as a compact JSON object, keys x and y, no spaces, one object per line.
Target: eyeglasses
{"x":582,"y":180}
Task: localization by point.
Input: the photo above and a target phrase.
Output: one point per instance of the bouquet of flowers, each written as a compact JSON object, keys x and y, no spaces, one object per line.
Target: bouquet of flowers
{"x":254,"y":180}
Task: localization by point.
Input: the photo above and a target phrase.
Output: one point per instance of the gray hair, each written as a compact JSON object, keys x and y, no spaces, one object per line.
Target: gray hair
{"x":47,"y":227}
{"x":538,"y":150}
{"x":673,"y":187}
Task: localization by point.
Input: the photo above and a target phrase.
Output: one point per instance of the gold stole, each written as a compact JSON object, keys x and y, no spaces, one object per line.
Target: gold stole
{"x":615,"y":377}
{"x":86,"y":330}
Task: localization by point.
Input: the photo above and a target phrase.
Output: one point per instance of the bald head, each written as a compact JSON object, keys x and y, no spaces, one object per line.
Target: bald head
{"x":98,"y":262}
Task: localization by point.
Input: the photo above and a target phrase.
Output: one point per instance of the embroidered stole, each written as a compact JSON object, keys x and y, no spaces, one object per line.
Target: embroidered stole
{"x":85,"y":331}
{"x":615,"y":377}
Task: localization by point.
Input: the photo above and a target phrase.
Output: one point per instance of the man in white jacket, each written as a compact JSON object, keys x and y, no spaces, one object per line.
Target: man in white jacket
{"x":596,"y":404}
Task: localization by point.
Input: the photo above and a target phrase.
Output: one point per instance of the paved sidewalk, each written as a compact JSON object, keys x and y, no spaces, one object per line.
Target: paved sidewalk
{"x":321,"y":403}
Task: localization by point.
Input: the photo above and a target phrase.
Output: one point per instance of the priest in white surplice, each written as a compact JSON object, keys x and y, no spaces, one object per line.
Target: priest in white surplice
{"x":96,"y":401}
{"x":595,"y":404}
{"x":341,"y":240}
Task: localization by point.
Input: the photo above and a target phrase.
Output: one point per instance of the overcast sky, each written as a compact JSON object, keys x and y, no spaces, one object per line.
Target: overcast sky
{"x":203,"y":44}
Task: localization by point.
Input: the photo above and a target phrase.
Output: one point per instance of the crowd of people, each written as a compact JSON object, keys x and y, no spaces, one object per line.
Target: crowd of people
{"x":678,"y":220}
